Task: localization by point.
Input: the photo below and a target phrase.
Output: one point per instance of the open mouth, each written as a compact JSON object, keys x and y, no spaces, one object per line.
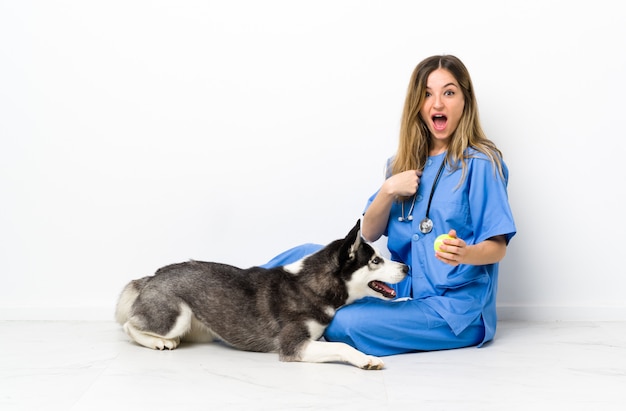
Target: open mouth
{"x":382,"y":288}
{"x":439,"y":121}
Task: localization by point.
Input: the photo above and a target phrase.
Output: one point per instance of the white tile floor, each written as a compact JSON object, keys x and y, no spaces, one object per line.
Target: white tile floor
{"x":93,"y":366}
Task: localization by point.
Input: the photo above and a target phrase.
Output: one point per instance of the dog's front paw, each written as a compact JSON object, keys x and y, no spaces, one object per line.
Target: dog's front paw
{"x":372,"y":363}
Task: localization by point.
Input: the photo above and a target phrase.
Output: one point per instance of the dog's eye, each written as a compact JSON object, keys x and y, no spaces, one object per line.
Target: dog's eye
{"x":377,"y":260}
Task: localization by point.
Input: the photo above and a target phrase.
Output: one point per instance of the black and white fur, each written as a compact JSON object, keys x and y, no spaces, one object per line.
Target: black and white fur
{"x":284,"y":309}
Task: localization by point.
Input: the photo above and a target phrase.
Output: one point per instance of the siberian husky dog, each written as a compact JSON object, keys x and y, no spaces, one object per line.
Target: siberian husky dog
{"x":284,"y":309}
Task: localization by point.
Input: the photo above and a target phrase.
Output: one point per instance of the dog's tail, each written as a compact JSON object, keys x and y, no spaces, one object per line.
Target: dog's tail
{"x":127,"y":298}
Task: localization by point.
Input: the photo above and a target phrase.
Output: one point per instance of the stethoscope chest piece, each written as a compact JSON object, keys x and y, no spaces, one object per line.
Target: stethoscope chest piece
{"x":426,"y":225}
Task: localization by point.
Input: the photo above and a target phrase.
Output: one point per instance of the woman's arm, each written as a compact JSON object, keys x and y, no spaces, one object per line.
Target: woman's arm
{"x":456,"y":251}
{"x":377,"y":215}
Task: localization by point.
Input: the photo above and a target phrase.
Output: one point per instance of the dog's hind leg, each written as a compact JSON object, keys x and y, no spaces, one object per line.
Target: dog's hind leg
{"x":136,"y":329}
{"x":149,"y":340}
{"x":323,"y":351}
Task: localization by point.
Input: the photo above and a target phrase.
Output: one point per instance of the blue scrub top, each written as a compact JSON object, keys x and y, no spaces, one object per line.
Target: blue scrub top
{"x":477,"y":209}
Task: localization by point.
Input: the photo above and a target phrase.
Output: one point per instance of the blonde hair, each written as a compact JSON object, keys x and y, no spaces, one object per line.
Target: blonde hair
{"x":415,"y":141}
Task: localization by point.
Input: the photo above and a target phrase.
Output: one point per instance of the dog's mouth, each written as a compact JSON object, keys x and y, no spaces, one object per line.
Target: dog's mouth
{"x":382,"y":288}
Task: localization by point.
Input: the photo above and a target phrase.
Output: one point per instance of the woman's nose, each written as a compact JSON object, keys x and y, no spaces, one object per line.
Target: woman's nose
{"x":438,"y":103}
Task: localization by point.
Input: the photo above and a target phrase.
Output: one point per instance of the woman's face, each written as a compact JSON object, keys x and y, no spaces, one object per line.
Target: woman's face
{"x":443,"y":106}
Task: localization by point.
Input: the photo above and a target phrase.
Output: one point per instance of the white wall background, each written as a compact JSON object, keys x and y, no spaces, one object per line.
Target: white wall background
{"x":135,"y":133}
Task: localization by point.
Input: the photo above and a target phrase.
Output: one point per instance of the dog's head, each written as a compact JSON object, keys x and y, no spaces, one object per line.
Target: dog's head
{"x":365,"y":271}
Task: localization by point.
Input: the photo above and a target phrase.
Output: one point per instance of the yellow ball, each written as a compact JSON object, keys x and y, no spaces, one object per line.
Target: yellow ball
{"x":439,"y":241}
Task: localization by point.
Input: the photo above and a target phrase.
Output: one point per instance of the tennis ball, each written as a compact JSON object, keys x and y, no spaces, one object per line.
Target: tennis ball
{"x":439,"y":241}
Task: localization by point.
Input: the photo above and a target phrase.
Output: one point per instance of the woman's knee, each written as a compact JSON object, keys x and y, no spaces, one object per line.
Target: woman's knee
{"x":337,"y":330}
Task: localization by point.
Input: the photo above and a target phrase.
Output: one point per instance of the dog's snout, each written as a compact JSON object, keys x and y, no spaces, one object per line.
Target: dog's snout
{"x":405,"y":268}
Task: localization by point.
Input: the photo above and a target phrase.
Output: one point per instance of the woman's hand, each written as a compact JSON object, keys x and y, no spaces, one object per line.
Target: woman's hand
{"x":455,"y":251}
{"x":377,"y":215}
{"x":403,"y":184}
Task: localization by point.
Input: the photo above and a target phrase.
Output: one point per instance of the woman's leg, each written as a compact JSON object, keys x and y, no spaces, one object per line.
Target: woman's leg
{"x":378,"y":327}
{"x":292,"y":255}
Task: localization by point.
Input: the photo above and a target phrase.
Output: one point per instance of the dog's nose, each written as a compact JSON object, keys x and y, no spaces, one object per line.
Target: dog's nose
{"x":405,"y":268}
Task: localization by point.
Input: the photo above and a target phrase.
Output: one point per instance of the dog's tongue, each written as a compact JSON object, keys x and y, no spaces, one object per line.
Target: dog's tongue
{"x":382,"y":288}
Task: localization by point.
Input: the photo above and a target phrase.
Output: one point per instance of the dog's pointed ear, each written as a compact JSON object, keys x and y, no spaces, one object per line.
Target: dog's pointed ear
{"x":352,"y":242}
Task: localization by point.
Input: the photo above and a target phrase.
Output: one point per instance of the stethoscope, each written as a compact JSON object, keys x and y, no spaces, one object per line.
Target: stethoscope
{"x":426,"y":225}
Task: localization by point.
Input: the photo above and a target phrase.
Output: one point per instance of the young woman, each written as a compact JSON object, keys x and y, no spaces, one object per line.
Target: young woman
{"x":446,"y":177}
